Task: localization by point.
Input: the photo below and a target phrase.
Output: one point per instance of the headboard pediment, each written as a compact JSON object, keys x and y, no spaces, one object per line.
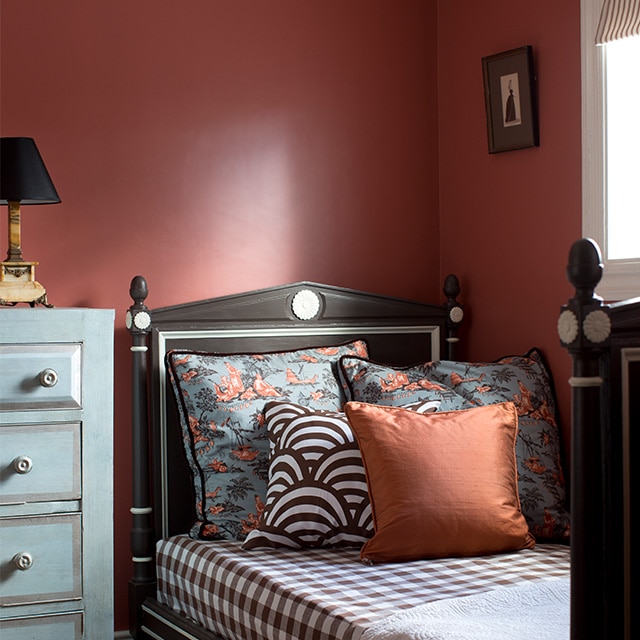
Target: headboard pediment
{"x":298,"y":303}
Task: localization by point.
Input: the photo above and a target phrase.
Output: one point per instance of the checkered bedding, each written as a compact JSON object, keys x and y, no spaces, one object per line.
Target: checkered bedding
{"x":323,"y":594}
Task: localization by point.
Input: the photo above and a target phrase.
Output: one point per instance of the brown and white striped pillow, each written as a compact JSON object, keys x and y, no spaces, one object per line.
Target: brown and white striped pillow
{"x":317,"y":494}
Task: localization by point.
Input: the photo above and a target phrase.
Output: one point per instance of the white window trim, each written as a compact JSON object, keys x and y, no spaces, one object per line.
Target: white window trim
{"x":621,"y":277}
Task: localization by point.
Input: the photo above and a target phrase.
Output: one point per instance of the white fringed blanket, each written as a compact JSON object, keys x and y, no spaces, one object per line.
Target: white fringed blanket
{"x":530,"y":611}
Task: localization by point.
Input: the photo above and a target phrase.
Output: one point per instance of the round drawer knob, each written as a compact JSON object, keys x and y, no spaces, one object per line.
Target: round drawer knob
{"x":23,"y":464}
{"x":23,"y":560}
{"x":48,"y":378}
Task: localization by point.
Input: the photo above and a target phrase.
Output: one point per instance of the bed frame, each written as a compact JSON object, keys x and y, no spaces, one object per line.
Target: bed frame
{"x":603,"y":340}
{"x":604,"y":343}
{"x":398,"y":331}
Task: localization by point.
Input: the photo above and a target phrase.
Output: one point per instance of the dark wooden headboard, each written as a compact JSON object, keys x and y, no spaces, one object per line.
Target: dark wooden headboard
{"x":398,"y":331}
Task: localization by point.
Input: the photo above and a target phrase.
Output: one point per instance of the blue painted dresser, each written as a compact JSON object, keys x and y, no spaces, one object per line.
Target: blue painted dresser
{"x":56,"y":474}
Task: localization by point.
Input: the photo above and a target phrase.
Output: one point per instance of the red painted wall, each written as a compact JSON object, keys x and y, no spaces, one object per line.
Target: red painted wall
{"x":217,"y":147}
{"x":507,"y":220}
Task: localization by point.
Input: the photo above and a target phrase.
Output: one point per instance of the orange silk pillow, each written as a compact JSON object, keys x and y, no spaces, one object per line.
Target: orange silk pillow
{"x":440,"y":484}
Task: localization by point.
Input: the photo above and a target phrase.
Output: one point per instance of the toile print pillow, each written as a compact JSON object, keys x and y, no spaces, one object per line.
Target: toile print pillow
{"x":524,"y":380}
{"x":220,"y":400}
{"x":376,"y":383}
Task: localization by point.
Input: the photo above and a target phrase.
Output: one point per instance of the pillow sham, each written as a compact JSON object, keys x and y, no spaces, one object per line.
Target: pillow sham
{"x":220,"y":399}
{"x":317,"y":493}
{"x":440,"y":484}
{"x":524,"y":380}
{"x":376,"y":383}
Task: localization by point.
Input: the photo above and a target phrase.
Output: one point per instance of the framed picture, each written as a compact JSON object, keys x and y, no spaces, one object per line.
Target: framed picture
{"x":510,"y":99}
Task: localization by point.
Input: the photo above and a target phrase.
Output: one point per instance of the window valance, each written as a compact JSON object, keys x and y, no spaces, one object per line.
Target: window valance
{"x":618,"y":19}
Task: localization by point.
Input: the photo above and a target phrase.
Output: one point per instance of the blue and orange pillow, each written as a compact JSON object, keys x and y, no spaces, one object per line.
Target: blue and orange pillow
{"x":220,"y":400}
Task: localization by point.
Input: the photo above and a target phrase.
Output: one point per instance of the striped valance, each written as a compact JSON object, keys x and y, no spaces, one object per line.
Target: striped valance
{"x":618,"y":19}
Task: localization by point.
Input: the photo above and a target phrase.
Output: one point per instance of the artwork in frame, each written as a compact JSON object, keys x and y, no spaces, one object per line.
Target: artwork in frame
{"x":510,"y":99}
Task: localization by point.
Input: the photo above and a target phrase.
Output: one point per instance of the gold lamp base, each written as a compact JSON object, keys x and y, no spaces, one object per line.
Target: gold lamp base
{"x":25,"y":180}
{"x":18,"y":284}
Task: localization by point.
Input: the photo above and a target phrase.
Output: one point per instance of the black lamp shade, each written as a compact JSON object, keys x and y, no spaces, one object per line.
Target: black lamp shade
{"x":23,"y":175}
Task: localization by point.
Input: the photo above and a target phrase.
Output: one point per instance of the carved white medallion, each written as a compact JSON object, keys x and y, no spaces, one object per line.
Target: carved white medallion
{"x":305,"y":304}
{"x":142,"y":320}
{"x":597,"y":326}
{"x":567,"y":326}
{"x":456,"y":314}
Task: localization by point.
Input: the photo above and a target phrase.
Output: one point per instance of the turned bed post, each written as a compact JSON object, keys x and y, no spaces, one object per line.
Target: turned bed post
{"x":455,"y":315}
{"x":584,"y":327}
{"x":142,"y":584}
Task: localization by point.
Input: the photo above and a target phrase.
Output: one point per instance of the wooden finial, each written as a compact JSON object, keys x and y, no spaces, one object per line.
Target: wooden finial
{"x":585,"y":268}
{"x":451,"y":286}
{"x":138,"y":290}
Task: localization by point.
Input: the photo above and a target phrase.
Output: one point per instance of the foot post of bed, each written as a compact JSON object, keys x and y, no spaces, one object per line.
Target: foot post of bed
{"x":143,"y":582}
{"x":584,"y":327}
{"x":455,"y":315}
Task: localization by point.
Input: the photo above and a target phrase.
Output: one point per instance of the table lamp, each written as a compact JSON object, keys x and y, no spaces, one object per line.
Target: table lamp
{"x":23,"y":180}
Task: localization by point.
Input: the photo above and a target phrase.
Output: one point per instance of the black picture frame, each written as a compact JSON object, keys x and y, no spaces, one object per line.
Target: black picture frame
{"x":510,"y":100}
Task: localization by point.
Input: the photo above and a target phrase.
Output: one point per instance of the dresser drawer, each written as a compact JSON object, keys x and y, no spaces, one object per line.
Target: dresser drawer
{"x":66,"y":626}
{"x":40,"y":559}
{"x":39,"y":463}
{"x":40,"y":376}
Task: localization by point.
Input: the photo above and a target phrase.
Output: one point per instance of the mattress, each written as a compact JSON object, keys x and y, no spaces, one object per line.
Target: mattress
{"x":323,"y":594}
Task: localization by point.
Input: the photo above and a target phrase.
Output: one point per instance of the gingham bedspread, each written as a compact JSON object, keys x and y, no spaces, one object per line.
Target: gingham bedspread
{"x":323,"y":594}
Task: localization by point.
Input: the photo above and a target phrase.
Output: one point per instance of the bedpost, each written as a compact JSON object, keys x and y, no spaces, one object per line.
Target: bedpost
{"x":455,"y":315}
{"x":142,"y":584}
{"x":584,"y":328}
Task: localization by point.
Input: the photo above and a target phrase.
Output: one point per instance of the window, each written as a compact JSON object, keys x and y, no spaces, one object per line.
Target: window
{"x":611,"y":152}
{"x":622,"y":87}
